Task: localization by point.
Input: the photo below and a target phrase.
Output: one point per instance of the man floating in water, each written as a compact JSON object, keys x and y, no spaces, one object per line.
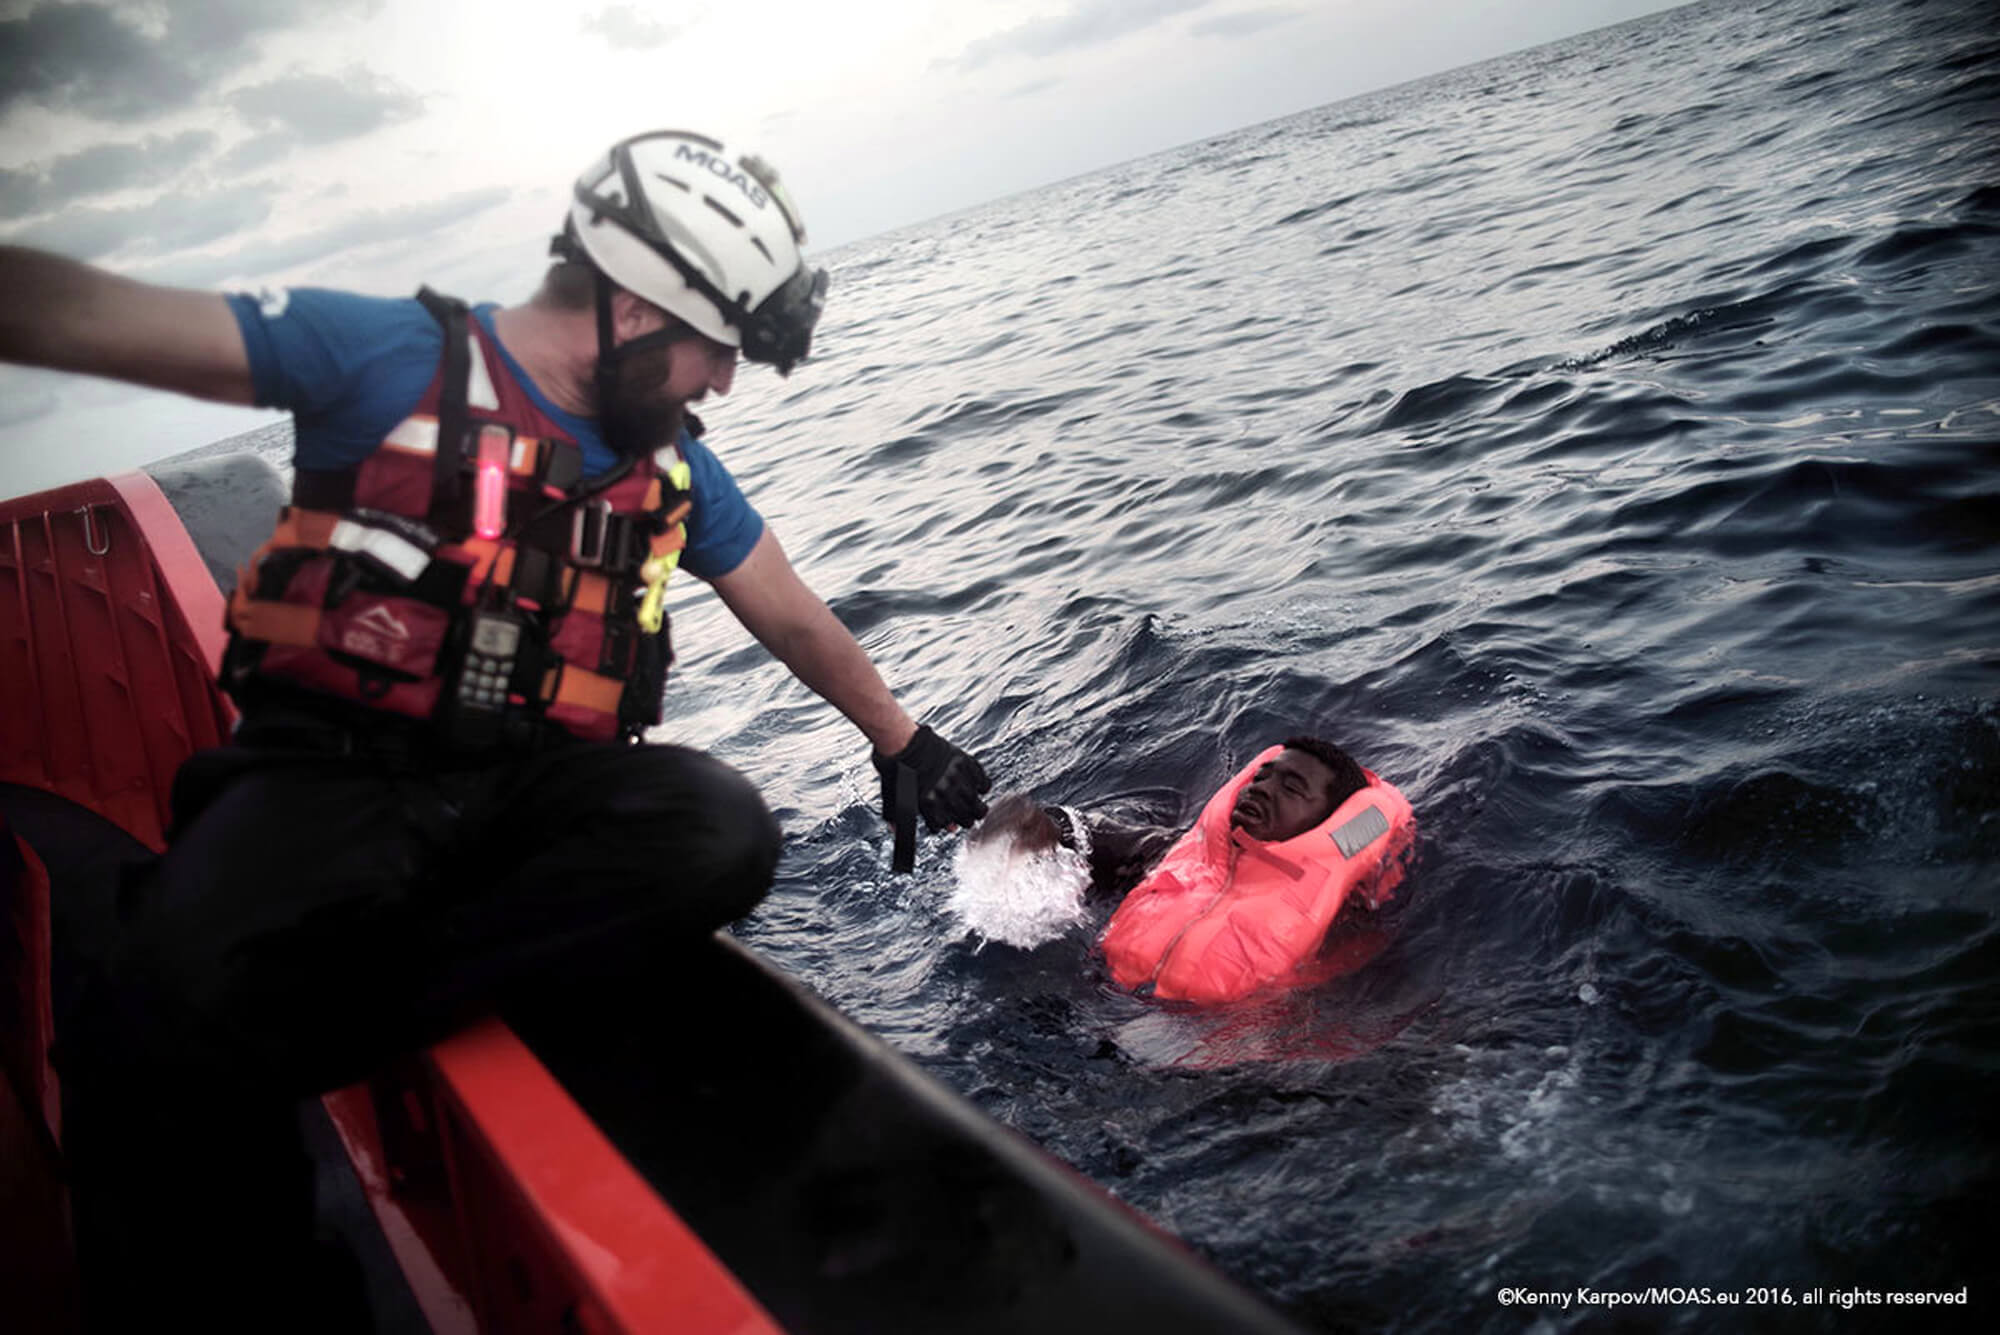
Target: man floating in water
{"x":1237,"y":905}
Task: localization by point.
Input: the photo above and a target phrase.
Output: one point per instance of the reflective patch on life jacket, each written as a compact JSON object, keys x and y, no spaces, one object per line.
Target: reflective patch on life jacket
{"x":479,"y":391}
{"x":392,"y":550}
{"x":419,"y":435}
{"x":1358,"y":833}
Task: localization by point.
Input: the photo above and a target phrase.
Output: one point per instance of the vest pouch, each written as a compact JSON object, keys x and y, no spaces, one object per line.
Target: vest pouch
{"x":365,"y":625}
{"x":360,"y":643}
{"x":400,"y":635}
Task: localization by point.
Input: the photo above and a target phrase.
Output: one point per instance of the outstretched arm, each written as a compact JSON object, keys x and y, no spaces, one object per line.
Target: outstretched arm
{"x":774,"y":604}
{"x":68,"y":316}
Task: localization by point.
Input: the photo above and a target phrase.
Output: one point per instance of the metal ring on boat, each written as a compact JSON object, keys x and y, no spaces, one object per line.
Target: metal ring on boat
{"x":90,"y":541}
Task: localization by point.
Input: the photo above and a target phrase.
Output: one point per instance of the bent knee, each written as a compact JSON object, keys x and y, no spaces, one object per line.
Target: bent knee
{"x":708,"y":830}
{"x":744,"y":842}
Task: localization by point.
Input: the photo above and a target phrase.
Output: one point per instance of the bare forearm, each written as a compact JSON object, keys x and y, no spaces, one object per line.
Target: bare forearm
{"x":68,"y":316}
{"x":824,"y":655}
{"x":801,"y":632}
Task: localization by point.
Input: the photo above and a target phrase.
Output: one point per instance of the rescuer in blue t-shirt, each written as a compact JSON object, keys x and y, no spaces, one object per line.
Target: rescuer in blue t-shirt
{"x":442,"y":659}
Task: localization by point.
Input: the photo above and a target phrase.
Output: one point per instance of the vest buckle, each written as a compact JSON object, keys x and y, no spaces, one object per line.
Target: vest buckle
{"x":587,"y":531}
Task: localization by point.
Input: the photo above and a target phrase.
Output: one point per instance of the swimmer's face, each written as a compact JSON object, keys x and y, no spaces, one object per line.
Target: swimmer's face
{"x":1289,"y":794}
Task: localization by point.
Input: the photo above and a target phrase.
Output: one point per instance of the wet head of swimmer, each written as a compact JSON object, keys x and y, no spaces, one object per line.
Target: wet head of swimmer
{"x":1296,"y":790}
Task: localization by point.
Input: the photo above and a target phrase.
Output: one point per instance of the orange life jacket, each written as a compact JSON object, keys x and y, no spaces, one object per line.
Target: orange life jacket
{"x":380,"y":590}
{"x":1224,"y":916}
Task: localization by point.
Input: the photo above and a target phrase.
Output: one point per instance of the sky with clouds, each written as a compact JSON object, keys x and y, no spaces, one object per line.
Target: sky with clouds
{"x":379,"y":144}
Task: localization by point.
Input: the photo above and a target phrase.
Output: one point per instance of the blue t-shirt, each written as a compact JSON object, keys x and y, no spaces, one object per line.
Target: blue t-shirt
{"x":351,"y":367}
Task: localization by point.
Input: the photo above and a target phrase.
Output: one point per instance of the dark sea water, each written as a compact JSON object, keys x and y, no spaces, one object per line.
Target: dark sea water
{"x":1601,"y":443}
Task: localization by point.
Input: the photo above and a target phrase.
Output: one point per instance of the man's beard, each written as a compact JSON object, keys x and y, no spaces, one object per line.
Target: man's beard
{"x":636,"y":417}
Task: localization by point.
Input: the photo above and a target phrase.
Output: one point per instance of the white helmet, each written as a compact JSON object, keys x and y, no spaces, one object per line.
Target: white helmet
{"x":705,"y":233}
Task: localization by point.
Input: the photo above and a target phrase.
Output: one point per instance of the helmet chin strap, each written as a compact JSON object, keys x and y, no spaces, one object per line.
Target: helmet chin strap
{"x":608,"y":353}
{"x":611,"y":352}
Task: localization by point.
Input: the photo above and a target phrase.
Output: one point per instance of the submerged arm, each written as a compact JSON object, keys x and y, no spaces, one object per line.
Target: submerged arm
{"x":1120,"y":854}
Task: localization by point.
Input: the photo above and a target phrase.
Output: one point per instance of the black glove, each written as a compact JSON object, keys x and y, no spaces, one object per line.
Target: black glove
{"x":944,"y":782}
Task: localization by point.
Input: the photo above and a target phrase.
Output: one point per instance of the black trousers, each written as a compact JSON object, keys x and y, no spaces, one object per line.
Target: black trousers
{"x":316,"y":914}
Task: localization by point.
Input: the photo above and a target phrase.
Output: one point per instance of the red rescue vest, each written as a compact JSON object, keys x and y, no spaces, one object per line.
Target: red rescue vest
{"x":378,"y":590}
{"x":1224,"y":916}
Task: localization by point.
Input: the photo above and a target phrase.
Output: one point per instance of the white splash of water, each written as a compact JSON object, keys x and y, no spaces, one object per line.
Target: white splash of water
{"x":1015,"y":897}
